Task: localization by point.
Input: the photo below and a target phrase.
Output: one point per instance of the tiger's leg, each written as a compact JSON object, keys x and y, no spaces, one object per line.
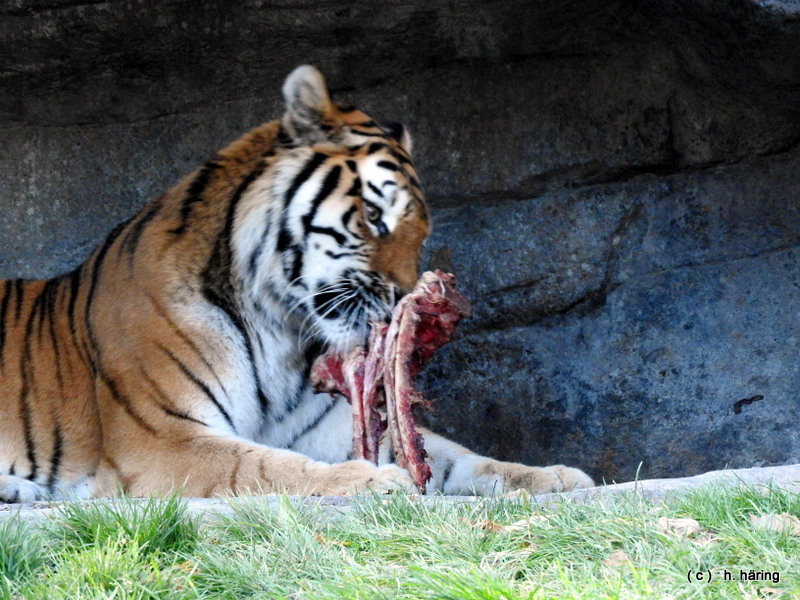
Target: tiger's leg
{"x":455,"y":470}
{"x":209,"y":465}
{"x":458,"y":471}
{"x":18,"y":489}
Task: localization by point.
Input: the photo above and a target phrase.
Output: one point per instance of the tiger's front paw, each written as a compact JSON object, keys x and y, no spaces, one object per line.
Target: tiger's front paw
{"x":541,"y":480}
{"x":360,"y":475}
{"x":572,"y":478}
{"x":16,"y":489}
{"x":390,"y":478}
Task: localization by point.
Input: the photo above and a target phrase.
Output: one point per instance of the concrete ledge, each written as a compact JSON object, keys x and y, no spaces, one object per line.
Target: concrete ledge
{"x":787,"y":477}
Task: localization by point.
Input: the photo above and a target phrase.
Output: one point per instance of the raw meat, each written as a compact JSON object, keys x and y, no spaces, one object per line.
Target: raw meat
{"x":422,"y":322}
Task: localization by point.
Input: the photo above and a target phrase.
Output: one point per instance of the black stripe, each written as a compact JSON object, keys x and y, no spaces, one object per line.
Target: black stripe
{"x":375,"y":146}
{"x":217,"y":273}
{"x":259,"y":249}
{"x":181,"y":415}
{"x":366,"y":132}
{"x":27,"y":425}
{"x":199,"y":383}
{"x":196,"y":188}
{"x":448,"y":469}
{"x":74,"y":290}
{"x":25,"y":409}
{"x":45,"y":305}
{"x":95,"y":277}
{"x":96,"y":360}
{"x":37,"y":311}
{"x":123,"y":401}
{"x":26,"y":372}
{"x":55,"y":461}
{"x":395,"y":130}
{"x":339,"y":237}
{"x":32,"y":314}
{"x":233,"y":482}
{"x":339,"y":255}
{"x":18,"y":294}
{"x":135,"y":233}
{"x":165,"y":398}
{"x":304,"y":175}
{"x":311,"y":426}
{"x":355,"y":189}
{"x":422,"y":207}
{"x":297,"y":264}
{"x":3,"y":311}
{"x":217,"y":286}
{"x":262,"y":397}
{"x":74,"y":286}
{"x":178,"y":332}
{"x":347,"y":216}
{"x":328,"y":186}
{"x":284,"y":237}
{"x":228,"y":308}
{"x":51,"y":308}
{"x":386,"y":164}
{"x":375,"y":189}
{"x":284,"y":139}
{"x":402,"y":158}
{"x":312,"y":351}
{"x":293,"y":401}
{"x":294,"y":267}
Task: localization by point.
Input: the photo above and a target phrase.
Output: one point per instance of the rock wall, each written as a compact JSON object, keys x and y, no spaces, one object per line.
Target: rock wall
{"x":616,"y":185}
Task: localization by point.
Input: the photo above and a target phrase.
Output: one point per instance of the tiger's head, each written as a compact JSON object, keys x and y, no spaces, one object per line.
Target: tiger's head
{"x":333,"y":229}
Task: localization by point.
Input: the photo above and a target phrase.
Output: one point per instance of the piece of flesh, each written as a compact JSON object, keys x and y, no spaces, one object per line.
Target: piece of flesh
{"x":423,"y":321}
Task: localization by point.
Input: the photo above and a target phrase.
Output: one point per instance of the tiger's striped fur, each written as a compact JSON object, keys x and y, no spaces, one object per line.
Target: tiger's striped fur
{"x":176,"y":357}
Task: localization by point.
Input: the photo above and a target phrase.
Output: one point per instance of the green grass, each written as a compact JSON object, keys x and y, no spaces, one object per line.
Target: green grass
{"x":400,"y":547}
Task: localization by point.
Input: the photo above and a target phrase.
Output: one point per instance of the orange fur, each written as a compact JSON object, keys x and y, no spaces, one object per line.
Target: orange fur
{"x":99,"y":369}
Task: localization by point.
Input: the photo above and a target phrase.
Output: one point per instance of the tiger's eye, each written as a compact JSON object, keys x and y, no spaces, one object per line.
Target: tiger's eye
{"x":373,"y":212}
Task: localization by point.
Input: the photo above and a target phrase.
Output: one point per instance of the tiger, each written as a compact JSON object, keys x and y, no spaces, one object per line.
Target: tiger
{"x":176,"y":358}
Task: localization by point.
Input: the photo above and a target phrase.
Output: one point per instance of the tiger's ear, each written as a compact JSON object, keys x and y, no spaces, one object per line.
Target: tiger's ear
{"x":310,"y":116}
{"x":400,"y":134}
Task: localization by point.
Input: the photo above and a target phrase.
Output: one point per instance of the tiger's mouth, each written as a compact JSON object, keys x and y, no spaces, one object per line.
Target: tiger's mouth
{"x":343,"y":310}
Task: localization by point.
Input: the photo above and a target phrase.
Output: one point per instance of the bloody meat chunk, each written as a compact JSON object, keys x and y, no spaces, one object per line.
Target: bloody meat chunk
{"x":422,"y":322}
